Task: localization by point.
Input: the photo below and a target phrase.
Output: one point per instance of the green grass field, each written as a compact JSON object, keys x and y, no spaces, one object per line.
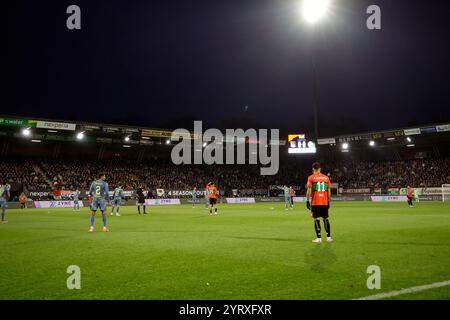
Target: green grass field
{"x":248,"y":251}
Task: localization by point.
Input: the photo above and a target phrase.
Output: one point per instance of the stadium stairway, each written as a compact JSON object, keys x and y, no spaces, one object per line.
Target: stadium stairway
{"x":38,"y":170}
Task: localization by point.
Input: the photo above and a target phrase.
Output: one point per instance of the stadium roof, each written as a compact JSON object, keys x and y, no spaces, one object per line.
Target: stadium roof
{"x":62,"y":130}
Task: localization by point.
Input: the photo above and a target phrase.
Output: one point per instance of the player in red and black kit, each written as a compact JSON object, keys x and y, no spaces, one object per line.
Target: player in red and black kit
{"x":212,"y":195}
{"x":319,"y":191}
{"x":410,"y":196}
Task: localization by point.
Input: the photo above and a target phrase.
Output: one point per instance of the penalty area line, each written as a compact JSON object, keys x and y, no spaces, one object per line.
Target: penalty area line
{"x":404,"y":291}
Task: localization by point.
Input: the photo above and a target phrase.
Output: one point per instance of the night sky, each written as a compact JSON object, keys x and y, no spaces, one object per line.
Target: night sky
{"x":166,"y":63}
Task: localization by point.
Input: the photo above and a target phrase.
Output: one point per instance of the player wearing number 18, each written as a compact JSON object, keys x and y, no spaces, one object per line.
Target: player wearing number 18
{"x":100,"y":195}
{"x":319,"y":191}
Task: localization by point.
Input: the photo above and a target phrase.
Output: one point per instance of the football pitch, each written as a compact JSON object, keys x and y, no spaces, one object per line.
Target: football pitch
{"x":248,"y":251}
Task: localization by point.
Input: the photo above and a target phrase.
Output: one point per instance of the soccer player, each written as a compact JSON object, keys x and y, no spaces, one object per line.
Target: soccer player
{"x":291,"y":196}
{"x":4,"y":196}
{"x":194,"y":197}
{"x":206,"y":198}
{"x":117,"y":200}
{"x":100,"y":195}
{"x":287,"y":195}
{"x":410,"y":196}
{"x":140,"y":200}
{"x":416,"y":195}
{"x":212,"y":195}
{"x":23,"y":201}
{"x":319,"y":191}
{"x":76,"y":198}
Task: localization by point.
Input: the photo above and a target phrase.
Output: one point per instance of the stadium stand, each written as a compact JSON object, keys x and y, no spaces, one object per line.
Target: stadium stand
{"x":72,"y":174}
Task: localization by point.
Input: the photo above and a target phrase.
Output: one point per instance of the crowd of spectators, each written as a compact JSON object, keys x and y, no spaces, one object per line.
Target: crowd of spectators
{"x":78,"y":174}
{"x":398,"y":174}
{"x":21,"y":172}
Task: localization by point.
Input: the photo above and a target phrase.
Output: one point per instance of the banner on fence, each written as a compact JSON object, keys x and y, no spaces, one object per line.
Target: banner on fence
{"x":55,"y":204}
{"x":240,"y":200}
{"x":161,"y":202}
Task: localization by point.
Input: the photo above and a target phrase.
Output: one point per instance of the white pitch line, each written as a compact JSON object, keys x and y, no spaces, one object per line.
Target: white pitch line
{"x":407,"y":290}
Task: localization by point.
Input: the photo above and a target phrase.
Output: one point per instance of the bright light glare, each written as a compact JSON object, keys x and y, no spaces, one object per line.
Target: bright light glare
{"x":345,"y":146}
{"x":372,"y":143}
{"x":408,"y":139}
{"x":127,"y":139}
{"x":26,"y":132}
{"x":80,"y":135}
{"x":167,"y":141}
{"x":314,"y":10}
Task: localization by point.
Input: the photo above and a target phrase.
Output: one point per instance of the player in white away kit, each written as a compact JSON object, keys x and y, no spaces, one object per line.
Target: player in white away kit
{"x":194,"y":197}
{"x":117,"y":200}
{"x":100,"y":196}
{"x":4,"y":196}
{"x":76,"y":200}
{"x":287,"y":197}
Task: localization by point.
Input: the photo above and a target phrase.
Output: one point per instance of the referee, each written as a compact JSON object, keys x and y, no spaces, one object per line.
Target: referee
{"x":140,"y":197}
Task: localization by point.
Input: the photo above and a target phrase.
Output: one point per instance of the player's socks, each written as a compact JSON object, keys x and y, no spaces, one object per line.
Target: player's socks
{"x":326,"y":223}
{"x":215,"y":210}
{"x":104,"y":220}
{"x":139,"y":209}
{"x":144,"y":210}
{"x":92,"y":221}
{"x":317,"y":228}
{"x":3,"y":214}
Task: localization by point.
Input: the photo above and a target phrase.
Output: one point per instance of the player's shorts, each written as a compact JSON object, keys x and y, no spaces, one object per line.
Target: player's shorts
{"x":141,"y":201}
{"x":99,"y":204}
{"x":3,"y":203}
{"x":212,"y":201}
{"x":116,"y":202}
{"x":319,"y":212}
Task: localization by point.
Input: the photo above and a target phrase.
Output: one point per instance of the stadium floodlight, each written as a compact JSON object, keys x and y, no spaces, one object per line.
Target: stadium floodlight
{"x":127,"y":139}
{"x":410,"y":145}
{"x":168,"y":141}
{"x":372,"y":143}
{"x":345,"y":146}
{"x":26,"y":132}
{"x":80,"y":135}
{"x":204,"y":144}
{"x":408,"y":139}
{"x":314,"y":10}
